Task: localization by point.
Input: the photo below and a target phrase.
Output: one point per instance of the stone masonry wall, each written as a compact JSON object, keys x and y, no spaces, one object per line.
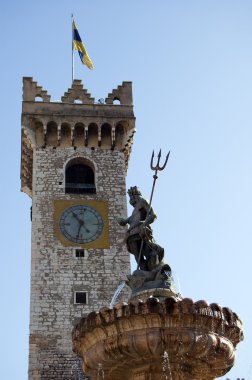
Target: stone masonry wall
{"x":56,"y":273}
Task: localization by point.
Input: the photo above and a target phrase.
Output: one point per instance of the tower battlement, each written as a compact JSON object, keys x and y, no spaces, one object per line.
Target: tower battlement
{"x":77,"y":121}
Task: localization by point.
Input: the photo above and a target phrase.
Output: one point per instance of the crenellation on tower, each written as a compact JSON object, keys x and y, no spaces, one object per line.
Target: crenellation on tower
{"x":31,"y":91}
{"x":77,"y":93}
{"x":123,"y":94}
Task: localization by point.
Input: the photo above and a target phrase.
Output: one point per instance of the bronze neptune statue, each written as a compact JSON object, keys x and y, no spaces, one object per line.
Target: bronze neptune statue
{"x":139,"y":236}
{"x":151,"y":271}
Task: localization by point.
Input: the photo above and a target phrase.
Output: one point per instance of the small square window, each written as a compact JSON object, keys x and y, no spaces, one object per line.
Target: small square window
{"x":79,"y":253}
{"x":80,"y":298}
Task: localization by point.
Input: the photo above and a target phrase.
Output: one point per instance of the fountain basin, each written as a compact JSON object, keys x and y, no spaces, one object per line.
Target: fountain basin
{"x":130,"y":340}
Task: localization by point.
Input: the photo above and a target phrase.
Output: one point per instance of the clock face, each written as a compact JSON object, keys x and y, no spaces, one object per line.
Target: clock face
{"x":81,"y":224}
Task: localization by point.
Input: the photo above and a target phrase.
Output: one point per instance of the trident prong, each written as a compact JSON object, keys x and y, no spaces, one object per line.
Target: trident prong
{"x":158,"y":167}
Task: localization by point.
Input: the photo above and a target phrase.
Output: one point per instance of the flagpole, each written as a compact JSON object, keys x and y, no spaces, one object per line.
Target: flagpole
{"x":72,"y":49}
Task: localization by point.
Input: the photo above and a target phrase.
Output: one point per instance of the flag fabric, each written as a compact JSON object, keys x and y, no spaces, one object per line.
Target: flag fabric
{"x":78,"y":45}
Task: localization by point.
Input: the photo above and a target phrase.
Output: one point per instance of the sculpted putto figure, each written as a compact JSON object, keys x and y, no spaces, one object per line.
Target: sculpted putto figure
{"x":139,"y":238}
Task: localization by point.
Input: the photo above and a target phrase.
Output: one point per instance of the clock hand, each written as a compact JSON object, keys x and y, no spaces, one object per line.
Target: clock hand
{"x":87,"y":230}
{"x":82,"y":223}
{"x":78,"y":231}
{"x":76,"y":217}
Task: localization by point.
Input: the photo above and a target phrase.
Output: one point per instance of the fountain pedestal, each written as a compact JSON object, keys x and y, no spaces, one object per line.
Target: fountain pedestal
{"x":171,"y":338}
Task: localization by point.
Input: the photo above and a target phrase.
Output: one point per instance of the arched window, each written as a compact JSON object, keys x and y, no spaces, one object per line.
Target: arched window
{"x":39,"y":133}
{"x":79,"y":177}
{"x":119,"y":134}
{"x":92,"y":135}
{"x":79,"y":134}
{"x":116,"y":101}
{"x":65,"y":139}
{"x":78,"y":101}
{"x":38,"y":98}
{"x":51,"y":135}
{"x":106,"y":136}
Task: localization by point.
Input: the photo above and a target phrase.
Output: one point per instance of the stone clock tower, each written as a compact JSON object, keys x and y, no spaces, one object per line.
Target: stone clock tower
{"x":74,"y":160}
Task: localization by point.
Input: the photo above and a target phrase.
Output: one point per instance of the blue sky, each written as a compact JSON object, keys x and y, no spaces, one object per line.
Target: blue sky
{"x":191,"y":67}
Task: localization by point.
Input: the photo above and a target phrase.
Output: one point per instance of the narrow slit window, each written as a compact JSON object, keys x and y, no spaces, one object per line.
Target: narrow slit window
{"x":79,"y":253}
{"x":80,"y":298}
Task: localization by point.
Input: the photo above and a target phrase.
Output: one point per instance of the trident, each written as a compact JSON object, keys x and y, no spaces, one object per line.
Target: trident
{"x":155,"y":177}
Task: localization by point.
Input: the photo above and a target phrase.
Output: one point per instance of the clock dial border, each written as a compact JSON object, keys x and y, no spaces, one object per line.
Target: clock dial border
{"x":60,"y":206}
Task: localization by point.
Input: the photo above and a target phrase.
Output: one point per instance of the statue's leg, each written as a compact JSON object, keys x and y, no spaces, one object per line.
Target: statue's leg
{"x":135,"y":247}
{"x":156,"y":250}
{"x":152,"y":254}
{"x":153,"y":261}
{"x":143,"y":262}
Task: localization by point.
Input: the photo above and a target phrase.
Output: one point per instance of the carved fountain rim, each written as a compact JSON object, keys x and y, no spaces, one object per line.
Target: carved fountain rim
{"x":169,"y":307}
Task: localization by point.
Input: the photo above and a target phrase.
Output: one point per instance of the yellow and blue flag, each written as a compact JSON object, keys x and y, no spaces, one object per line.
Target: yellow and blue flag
{"x":78,"y":45}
